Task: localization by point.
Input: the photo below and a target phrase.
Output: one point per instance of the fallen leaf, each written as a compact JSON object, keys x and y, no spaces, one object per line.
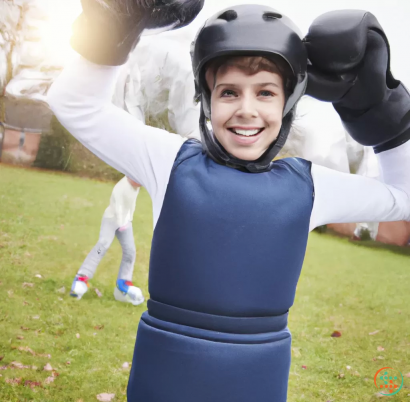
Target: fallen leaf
{"x":28,"y":285}
{"x":380,"y":348}
{"x":99,"y":294}
{"x":18,"y":365}
{"x":26,"y":349}
{"x":125,"y":365}
{"x":61,"y":290}
{"x":374,"y":332}
{"x":105,"y":397}
{"x":13,"y":380}
{"x":49,"y":380}
{"x":48,"y":367}
{"x":27,"y":254}
{"x":25,"y":303}
{"x":77,"y":336}
{"x":356,"y":374}
{"x":32,"y":384}
{"x":336,"y":334}
{"x":1,"y":358}
{"x":99,"y":327}
{"x":38,"y":276}
{"x":20,"y":337}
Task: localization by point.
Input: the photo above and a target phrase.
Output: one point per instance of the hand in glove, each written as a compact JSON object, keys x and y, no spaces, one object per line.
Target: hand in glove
{"x":107,"y":30}
{"x":350,"y":67}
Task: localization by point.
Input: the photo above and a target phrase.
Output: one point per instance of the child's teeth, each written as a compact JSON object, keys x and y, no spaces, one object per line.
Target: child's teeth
{"x":246,"y":132}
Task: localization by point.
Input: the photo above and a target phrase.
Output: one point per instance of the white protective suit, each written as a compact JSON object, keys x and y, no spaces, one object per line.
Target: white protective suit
{"x":158,"y":82}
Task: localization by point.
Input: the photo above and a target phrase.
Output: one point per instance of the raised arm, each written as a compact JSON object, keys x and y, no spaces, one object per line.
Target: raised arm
{"x":104,"y":34}
{"x":374,"y":108}
{"x":81,"y":100}
{"x":344,"y":198}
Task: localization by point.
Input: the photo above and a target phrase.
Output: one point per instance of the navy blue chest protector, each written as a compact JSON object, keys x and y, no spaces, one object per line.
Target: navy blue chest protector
{"x":225,"y":260}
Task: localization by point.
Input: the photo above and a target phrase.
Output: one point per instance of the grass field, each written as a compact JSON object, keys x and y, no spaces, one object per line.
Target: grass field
{"x":49,"y":222}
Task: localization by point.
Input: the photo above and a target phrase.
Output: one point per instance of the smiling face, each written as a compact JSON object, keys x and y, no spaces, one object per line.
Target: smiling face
{"x":246,"y":109}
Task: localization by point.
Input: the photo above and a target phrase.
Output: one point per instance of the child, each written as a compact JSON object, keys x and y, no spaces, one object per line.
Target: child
{"x":116,"y":222}
{"x":231,"y":227}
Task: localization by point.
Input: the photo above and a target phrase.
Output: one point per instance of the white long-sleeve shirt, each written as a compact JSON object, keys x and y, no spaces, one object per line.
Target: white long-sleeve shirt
{"x":81,"y":100}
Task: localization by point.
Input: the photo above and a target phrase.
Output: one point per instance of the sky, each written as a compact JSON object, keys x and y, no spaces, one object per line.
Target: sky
{"x":394,"y":16}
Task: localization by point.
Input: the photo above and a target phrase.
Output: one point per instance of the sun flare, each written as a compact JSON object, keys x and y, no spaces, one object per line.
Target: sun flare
{"x":57,"y":29}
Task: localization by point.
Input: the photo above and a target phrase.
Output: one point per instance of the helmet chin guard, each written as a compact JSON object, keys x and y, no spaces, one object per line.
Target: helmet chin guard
{"x":248,"y":30}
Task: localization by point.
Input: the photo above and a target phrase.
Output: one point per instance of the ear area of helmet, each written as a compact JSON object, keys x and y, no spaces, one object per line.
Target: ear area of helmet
{"x":206,"y":106}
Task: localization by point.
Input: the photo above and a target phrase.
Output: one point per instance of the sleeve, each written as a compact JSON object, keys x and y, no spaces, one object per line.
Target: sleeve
{"x":345,"y":198}
{"x":81,"y":100}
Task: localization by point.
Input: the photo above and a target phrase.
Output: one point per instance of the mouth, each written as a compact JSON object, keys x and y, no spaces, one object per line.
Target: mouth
{"x":248,"y":132}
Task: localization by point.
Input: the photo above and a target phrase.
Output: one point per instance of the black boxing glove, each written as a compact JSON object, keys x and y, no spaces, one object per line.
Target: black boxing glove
{"x":349,"y":58}
{"x":107,"y":30}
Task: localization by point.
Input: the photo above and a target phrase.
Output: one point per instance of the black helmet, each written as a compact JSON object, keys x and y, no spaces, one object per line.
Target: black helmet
{"x":248,"y":30}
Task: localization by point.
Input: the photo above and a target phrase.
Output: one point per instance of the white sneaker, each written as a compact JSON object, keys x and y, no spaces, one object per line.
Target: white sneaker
{"x":126,"y":292}
{"x":79,"y":287}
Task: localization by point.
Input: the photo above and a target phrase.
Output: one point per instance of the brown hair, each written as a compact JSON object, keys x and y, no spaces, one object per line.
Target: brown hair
{"x":251,"y":65}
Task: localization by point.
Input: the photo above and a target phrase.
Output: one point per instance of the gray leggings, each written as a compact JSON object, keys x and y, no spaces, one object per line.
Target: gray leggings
{"x":109,"y":230}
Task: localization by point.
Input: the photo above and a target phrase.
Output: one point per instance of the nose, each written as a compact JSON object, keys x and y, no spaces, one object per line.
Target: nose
{"x":247,"y":108}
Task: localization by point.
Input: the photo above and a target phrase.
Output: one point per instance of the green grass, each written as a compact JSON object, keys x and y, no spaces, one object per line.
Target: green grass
{"x":50,"y":221}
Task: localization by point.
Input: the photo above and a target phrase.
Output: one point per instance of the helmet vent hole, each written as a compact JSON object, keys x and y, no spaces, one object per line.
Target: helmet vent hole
{"x":269,"y":16}
{"x":228,"y":15}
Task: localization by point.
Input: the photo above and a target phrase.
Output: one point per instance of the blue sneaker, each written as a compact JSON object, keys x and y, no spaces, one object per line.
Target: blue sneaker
{"x":126,"y":292}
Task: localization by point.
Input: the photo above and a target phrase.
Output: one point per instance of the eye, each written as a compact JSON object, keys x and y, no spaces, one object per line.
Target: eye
{"x":266,"y":93}
{"x":227,"y":93}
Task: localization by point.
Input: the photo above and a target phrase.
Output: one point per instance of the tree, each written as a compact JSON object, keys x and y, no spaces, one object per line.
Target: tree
{"x":12,"y":14}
